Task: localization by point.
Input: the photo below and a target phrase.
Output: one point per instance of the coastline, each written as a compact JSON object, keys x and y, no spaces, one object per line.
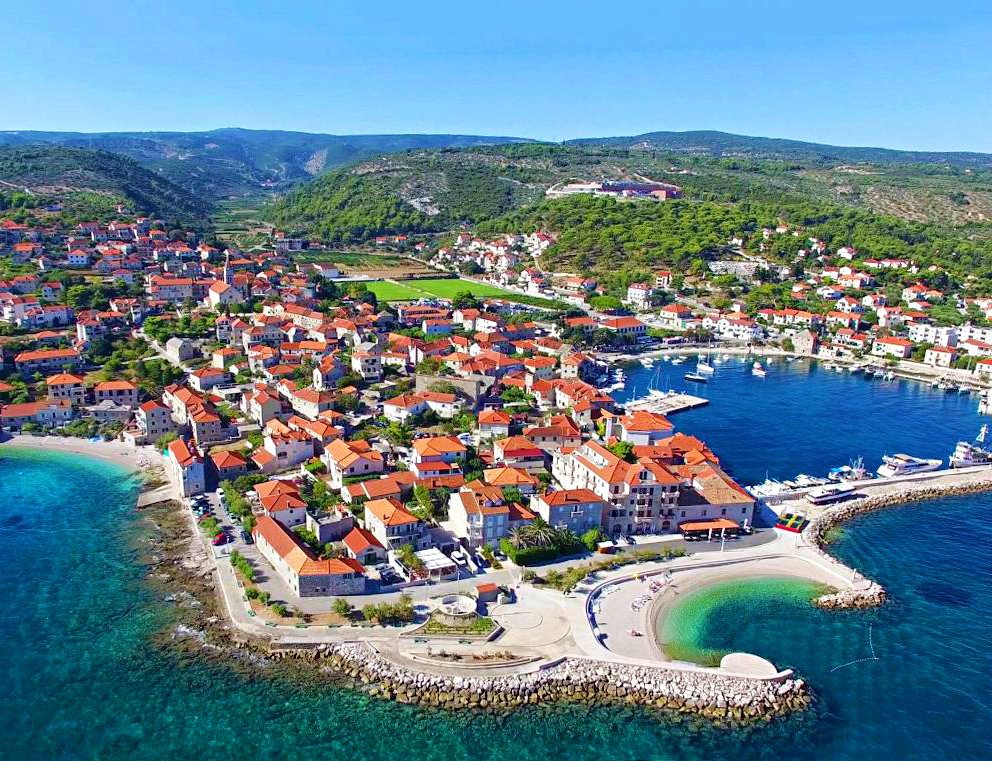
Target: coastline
{"x":109,"y":451}
{"x":691,"y":583}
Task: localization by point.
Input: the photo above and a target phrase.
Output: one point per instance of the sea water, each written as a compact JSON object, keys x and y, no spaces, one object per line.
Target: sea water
{"x":81,"y":678}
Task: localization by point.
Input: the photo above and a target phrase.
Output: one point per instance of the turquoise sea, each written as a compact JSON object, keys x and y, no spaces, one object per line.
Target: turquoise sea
{"x":81,"y":678}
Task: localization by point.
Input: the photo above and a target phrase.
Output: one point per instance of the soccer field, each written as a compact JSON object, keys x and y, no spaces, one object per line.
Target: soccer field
{"x":447,"y":288}
{"x":394,"y":291}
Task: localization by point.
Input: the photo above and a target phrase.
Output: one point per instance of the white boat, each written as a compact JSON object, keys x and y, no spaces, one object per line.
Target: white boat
{"x":889,"y":376}
{"x":726,"y":357}
{"x":856,"y":471}
{"x":696,"y":378}
{"x":966,"y":454}
{"x":678,"y":360}
{"x":827,"y":494}
{"x":904,"y":465}
{"x":704,"y":368}
{"x":757,"y":369}
{"x":767,"y":488}
{"x":804,"y":481}
{"x":647,"y":362}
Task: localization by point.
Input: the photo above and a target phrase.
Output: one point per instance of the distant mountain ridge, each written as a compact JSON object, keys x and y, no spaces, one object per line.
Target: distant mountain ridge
{"x":235,"y":162}
{"x":726,"y":144}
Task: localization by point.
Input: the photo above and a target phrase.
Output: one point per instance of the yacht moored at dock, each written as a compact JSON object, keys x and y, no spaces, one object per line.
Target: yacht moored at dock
{"x":967,"y":454}
{"x":904,"y":465}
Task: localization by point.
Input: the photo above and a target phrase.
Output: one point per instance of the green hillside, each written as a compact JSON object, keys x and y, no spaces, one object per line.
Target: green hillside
{"x":227,"y":163}
{"x":91,"y":183}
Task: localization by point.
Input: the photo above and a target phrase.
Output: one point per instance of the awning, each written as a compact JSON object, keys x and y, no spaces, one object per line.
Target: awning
{"x":716,"y":525}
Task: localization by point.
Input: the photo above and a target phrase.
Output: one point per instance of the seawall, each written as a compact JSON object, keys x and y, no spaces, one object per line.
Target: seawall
{"x":866,"y":593}
{"x":579,"y":680}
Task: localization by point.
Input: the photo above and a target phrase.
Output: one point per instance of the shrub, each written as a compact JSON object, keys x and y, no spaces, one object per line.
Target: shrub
{"x":240,"y":563}
{"x":279,"y":609}
{"x":342,"y":607}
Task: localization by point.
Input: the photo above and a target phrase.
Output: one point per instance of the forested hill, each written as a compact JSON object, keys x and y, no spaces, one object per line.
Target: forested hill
{"x":725,"y":144}
{"x":92,"y":183}
{"x":231,"y":162}
{"x":605,"y":235}
{"x":430,"y":191}
{"x":422,"y":191}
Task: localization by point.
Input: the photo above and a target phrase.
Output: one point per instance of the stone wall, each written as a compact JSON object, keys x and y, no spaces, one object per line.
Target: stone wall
{"x":714,"y":696}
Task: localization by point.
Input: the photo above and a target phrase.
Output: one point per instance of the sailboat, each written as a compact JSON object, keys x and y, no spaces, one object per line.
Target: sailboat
{"x":703,"y":367}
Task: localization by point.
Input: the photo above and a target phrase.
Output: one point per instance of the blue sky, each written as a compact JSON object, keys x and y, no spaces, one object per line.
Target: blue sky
{"x":895,"y":74}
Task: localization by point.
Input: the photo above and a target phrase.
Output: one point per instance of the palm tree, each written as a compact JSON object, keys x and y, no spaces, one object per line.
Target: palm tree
{"x":517,"y":537}
{"x":540,"y":534}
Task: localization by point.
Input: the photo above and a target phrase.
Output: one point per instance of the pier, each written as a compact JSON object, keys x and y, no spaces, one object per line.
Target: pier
{"x":667,"y":403}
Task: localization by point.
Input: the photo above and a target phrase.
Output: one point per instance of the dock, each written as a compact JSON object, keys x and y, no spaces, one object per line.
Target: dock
{"x":667,"y":403}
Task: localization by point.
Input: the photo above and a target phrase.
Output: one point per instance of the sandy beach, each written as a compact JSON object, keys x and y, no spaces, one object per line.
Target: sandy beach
{"x":140,"y":459}
{"x":691,"y":580}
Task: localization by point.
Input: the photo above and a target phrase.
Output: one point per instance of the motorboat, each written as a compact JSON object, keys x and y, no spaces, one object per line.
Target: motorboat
{"x":696,"y":378}
{"x":856,"y":471}
{"x":758,"y":370}
{"x":905,"y":465}
{"x":966,"y":454}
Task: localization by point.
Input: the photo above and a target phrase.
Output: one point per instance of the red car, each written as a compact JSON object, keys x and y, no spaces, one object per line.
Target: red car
{"x":220,"y":538}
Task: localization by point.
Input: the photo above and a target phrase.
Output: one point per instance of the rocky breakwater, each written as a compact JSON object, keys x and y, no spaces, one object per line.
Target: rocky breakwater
{"x":865,"y":593}
{"x":704,"y":693}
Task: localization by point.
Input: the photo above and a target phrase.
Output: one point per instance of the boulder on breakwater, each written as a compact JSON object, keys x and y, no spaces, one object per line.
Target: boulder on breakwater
{"x":707,"y":694}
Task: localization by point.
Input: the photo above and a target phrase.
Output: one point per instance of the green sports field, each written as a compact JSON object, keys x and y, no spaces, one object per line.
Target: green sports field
{"x":440,"y":287}
{"x":447,"y":288}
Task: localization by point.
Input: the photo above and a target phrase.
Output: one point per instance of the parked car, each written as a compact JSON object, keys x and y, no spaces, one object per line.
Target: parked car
{"x":219,"y":538}
{"x":246,"y":537}
{"x":457,"y":556}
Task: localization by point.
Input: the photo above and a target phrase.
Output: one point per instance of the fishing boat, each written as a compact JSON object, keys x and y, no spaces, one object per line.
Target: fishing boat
{"x":904,"y":465}
{"x":856,"y":471}
{"x":758,"y":370}
{"x":966,"y":454}
{"x":696,"y":378}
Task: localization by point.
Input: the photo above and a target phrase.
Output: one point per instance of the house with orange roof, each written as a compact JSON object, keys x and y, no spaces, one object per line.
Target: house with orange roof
{"x":118,"y":391}
{"x":436,"y":456}
{"x":206,"y":378}
{"x":493,"y":424}
{"x":639,"y":427}
{"x":350,"y":459}
{"x":503,"y":477}
{"x":304,"y":574}
{"x":362,"y":545}
{"x":185,"y":467}
{"x":66,"y":386}
{"x":281,"y":500}
{"x":519,"y":452}
{"x":393,"y":525}
{"x":478,"y":513}
{"x":577,"y":510}
{"x":228,"y":465}
{"x":42,"y":360}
